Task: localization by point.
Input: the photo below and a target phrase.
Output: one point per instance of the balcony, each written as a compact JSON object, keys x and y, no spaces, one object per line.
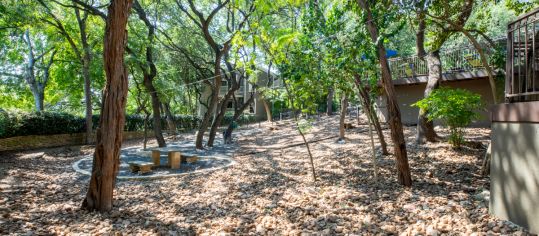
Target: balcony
{"x":522,"y":77}
{"x":239,"y":93}
{"x":456,"y":63}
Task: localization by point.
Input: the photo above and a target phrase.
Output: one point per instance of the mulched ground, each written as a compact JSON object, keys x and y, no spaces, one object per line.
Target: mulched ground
{"x":269,"y":191}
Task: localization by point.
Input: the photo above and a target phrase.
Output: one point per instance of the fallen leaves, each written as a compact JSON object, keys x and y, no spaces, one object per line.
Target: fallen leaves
{"x":267,"y":193}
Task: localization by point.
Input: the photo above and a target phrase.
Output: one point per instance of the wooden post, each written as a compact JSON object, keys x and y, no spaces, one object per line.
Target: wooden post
{"x":174,"y":159}
{"x":156,"y":157}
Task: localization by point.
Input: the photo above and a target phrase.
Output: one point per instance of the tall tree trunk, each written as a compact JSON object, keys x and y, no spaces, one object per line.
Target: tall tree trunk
{"x":87,"y":98}
{"x":329,"y":101}
{"x":156,"y":111}
{"x":109,"y":134}
{"x":267,"y":109}
{"x":149,"y":71}
{"x":170,"y":118}
{"x":216,"y":86}
{"x":397,"y":135}
{"x":86,"y":60}
{"x":425,"y":127}
{"x":364,"y":94}
{"x":342,"y":118}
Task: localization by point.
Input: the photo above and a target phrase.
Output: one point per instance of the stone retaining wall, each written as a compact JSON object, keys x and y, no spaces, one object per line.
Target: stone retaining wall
{"x":44,"y":141}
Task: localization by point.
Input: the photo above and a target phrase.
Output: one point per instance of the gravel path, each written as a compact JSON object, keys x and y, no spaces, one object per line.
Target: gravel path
{"x":267,"y":193}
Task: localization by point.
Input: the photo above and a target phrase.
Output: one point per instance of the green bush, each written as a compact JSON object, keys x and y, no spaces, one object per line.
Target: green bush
{"x":16,"y":123}
{"x":243,"y":119}
{"x":455,"y":107}
{"x":39,"y":123}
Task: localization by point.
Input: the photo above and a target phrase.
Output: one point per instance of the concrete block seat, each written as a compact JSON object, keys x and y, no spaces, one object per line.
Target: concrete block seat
{"x":140,"y":166}
{"x":175,"y":157}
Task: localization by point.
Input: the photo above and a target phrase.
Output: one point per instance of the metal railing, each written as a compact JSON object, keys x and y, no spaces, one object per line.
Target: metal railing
{"x":454,"y":60}
{"x":522,"y":70}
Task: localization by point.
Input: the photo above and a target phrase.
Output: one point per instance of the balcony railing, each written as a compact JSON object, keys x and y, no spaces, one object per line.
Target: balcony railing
{"x":453,"y":61}
{"x":224,"y":89}
{"x":522,"y":72}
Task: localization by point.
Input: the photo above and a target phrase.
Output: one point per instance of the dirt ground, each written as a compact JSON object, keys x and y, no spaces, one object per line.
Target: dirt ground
{"x":270,"y":191}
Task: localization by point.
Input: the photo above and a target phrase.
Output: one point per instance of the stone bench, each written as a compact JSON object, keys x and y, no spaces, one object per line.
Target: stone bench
{"x":140,"y":166}
{"x":175,"y":158}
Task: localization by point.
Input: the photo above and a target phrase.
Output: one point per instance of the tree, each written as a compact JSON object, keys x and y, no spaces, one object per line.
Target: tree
{"x":83,"y":54}
{"x":219,"y":51}
{"x":397,"y":135}
{"x":36,"y":68}
{"x":111,"y":122}
{"x":438,"y":35}
{"x":367,"y":102}
{"x":342,"y":118}
{"x":149,"y":72}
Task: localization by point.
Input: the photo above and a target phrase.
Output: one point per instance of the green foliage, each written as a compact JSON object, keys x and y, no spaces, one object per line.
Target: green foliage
{"x":16,"y":123}
{"x":304,"y":125}
{"x":243,"y":119}
{"x":39,"y":123}
{"x":455,"y":107}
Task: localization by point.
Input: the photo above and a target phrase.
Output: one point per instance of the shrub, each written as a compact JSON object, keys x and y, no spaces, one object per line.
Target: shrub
{"x":243,"y":119}
{"x":16,"y":123}
{"x":455,"y":107}
{"x":39,"y":123}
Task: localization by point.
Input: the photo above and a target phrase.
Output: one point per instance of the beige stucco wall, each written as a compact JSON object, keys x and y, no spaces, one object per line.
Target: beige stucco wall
{"x":409,"y":94}
{"x":514,"y":173}
{"x":258,"y":106}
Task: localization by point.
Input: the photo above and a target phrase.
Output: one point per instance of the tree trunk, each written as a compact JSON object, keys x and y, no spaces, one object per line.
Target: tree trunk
{"x":39,"y":98}
{"x":267,"y":109}
{"x":87,"y":97}
{"x":364,"y":94}
{"x":170,"y":119}
{"x":156,"y":111}
{"x":86,"y":59}
{"x":227,"y":135}
{"x":425,"y":128}
{"x":146,"y":119}
{"x":484,"y":61}
{"x":213,"y":102}
{"x":109,"y":134}
{"x":342,"y":118}
{"x":221,"y":111}
{"x":397,"y":135}
{"x":374,"y":161}
{"x":149,"y":71}
{"x":329,"y":101}
{"x":294,"y":113}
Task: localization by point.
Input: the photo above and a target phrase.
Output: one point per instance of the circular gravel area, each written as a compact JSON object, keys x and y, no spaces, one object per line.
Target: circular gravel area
{"x":215,"y":158}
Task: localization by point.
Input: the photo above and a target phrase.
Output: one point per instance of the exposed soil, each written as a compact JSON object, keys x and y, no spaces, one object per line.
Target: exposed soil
{"x":269,"y":191}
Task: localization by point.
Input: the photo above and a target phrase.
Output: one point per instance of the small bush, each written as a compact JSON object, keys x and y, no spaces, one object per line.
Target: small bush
{"x":455,"y":107}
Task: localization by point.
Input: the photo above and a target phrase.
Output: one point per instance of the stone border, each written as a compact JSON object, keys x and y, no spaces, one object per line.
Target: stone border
{"x":150,"y":177}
